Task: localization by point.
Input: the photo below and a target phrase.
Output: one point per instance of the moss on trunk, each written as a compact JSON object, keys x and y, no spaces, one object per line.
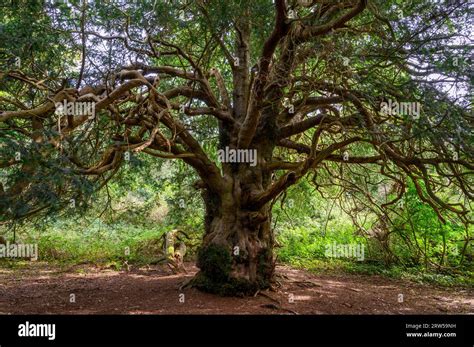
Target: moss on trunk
{"x":217,"y":276}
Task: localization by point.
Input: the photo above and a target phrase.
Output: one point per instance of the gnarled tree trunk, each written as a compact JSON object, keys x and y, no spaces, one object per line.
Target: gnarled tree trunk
{"x":236,"y":257}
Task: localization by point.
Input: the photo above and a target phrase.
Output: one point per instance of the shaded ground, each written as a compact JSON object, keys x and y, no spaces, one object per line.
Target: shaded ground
{"x":155,"y":290}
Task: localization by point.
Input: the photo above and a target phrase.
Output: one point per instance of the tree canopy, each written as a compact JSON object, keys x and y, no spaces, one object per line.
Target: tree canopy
{"x":354,"y":96}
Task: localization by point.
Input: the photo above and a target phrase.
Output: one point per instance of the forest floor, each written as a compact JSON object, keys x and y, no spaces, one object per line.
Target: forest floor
{"x":45,"y":289}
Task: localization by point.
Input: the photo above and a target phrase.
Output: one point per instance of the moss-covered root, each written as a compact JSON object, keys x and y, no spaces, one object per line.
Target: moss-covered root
{"x":215,"y":277}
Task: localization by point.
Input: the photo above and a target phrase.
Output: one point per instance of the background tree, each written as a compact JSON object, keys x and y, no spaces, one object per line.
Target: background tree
{"x":304,"y":83}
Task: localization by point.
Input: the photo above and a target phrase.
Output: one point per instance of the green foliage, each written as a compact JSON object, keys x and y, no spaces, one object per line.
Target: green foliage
{"x":421,"y":248}
{"x":132,"y":214}
{"x":149,"y":197}
{"x":427,"y":240}
{"x":97,"y":242}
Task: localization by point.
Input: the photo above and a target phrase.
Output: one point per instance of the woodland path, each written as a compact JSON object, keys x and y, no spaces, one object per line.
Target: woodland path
{"x":44,"y":289}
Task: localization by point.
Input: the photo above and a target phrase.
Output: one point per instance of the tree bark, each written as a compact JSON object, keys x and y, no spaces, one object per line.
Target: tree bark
{"x":236,"y":256}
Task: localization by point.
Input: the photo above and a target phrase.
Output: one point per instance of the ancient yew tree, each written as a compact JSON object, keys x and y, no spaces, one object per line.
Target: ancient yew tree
{"x":330,"y":91}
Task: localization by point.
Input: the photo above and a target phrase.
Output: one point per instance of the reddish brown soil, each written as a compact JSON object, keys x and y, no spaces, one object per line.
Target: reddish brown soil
{"x":43,"y":289}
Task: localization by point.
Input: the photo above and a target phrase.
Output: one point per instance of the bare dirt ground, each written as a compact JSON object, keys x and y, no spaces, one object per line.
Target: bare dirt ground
{"x":43,"y":289}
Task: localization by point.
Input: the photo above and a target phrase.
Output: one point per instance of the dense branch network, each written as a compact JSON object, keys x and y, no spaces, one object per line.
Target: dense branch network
{"x":316,"y":108}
